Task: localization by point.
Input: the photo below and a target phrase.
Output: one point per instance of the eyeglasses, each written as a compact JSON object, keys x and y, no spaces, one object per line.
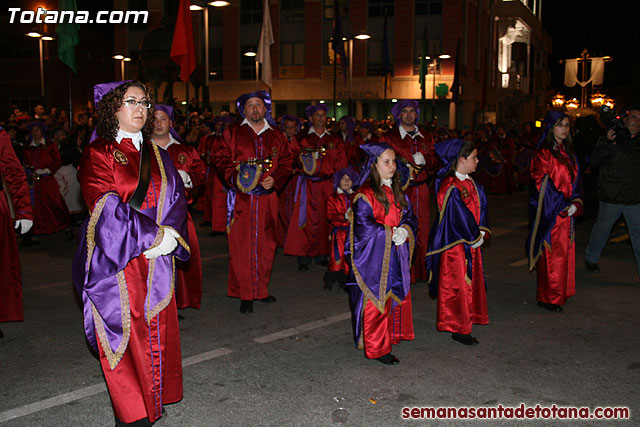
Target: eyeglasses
{"x":132,"y":103}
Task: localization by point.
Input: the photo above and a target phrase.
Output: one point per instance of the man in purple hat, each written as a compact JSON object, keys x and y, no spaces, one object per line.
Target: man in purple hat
{"x":192,"y":171}
{"x":415,"y":147}
{"x":254,"y":160}
{"x":319,"y":155}
{"x":291,"y":126}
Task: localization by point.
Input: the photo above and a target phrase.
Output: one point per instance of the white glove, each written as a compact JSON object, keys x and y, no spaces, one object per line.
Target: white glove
{"x":572,"y":209}
{"x":478,"y":243}
{"x":316,"y":155}
{"x":399,"y":235}
{"x":186,"y":179}
{"x":42,"y":171}
{"x":23,"y":225}
{"x":165,"y":247}
{"x":418,"y":159}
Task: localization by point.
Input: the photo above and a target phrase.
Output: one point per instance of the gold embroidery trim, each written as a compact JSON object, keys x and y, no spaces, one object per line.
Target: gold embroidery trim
{"x":536,"y":224}
{"x":114,"y":357}
{"x":378,"y":302}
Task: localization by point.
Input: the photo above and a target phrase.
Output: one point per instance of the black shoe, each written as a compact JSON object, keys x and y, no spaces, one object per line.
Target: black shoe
{"x":246,"y":306}
{"x":323,"y":263}
{"x":1,"y":334}
{"x":466,"y":339}
{"x":328,"y":286}
{"x":140,"y":423}
{"x":593,"y":267}
{"x":550,"y":307}
{"x":180,"y":317}
{"x":303,"y":267}
{"x":268,"y":299}
{"x":388,"y":359}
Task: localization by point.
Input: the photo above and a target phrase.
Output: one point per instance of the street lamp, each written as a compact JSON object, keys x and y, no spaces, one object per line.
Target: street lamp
{"x":40,"y":37}
{"x":203,"y":6}
{"x":434,"y":65}
{"x":122,"y":60}
{"x":557,"y":101}
{"x":251,"y":53}
{"x":359,"y":36}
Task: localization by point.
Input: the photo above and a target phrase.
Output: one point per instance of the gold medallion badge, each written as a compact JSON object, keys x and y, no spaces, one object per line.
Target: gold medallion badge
{"x":182,"y":159}
{"x":120,"y":158}
{"x":465,"y":193}
{"x":274,"y":152}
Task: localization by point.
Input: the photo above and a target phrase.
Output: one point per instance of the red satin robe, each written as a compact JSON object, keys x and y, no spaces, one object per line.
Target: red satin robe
{"x":418,"y":194}
{"x":337,"y":207}
{"x":51,"y":214}
{"x":14,"y":183}
{"x":285,"y":203}
{"x":252,"y":231}
{"x":189,"y":273}
{"x":352,"y":149}
{"x":312,"y":239}
{"x":382,"y":330}
{"x":134,"y":383}
{"x":556,"y":267}
{"x":505,"y":181}
{"x":462,"y":301}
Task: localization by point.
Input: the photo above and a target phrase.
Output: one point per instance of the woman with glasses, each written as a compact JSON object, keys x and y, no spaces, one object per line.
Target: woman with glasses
{"x":124,"y":267}
{"x":554,"y":202}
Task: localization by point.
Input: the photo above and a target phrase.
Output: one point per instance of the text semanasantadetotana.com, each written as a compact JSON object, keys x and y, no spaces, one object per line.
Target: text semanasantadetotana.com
{"x":518,"y":412}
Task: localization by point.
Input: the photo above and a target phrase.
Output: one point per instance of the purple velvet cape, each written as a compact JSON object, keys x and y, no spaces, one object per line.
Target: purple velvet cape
{"x":115,"y":234}
{"x":379,"y":269}
{"x":544,"y":207}
{"x":455,"y":225}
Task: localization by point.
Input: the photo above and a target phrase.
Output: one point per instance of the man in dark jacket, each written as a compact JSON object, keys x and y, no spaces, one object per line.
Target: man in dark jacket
{"x":618,"y":159}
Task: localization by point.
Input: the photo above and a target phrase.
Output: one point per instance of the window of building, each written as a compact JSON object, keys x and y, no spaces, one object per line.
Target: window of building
{"x":250,"y":11}
{"x":248,"y":63}
{"x":291,"y":11}
{"x":377,"y":8}
{"x":428,"y":7}
{"x":329,"y":13}
{"x":215,"y":63}
{"x":292,"y":54}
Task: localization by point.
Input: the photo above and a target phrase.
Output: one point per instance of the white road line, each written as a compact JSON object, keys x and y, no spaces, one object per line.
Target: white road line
{"x":306,"y":327}
{"x":203,"y":357}
{"x":94,"y":389}
{"x":520,"y":263}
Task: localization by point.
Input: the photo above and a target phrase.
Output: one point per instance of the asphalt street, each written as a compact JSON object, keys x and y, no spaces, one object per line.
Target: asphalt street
{"x":293,"y":363}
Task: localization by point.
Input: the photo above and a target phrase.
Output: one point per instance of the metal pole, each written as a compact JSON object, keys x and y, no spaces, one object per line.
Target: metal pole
{"x":205,"y":98}
{"x":122,"y":69}
{"x":41,"y":68}
{"x":350,"y":73}
{"x":433,"y":94}
{"x":257,"y":67}
{"x":335,"y":107}
{"x":70,"y":103}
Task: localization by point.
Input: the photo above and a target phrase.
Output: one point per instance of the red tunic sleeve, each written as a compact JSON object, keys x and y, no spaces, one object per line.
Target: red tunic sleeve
{"x":14,"y":177}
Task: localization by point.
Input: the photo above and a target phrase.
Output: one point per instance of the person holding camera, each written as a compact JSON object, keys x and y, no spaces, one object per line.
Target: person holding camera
{"x":617,"y":156}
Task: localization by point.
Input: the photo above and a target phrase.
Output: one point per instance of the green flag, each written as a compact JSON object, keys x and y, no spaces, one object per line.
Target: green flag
{"x":423,"y":60}
{"x":68,"y":37}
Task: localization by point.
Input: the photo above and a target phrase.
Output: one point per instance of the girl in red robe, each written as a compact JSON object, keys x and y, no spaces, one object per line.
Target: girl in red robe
{"x":379,"y":249}
{"x":338,"y":205}
{"x":554,"y":202}
{"x":454,"y":258}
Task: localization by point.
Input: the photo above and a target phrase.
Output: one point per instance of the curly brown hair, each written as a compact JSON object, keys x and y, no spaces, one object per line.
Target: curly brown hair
{"x":107,"y":125}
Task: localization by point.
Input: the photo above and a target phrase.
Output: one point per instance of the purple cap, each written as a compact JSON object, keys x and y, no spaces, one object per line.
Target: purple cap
{"x":373,"y":150}
{"x":264,"y":95}
{"x":553,"y":117}
{"x":101,"y":89}
{"x":289,"y":117}
{"x":448,"y":151}
{"x":168,"y":110}
{"x":351,"y":125}
{"x":397,"y":108}
{"x":313,"y":108}
{"x":37,"y":124}
{"x":342,"y":172}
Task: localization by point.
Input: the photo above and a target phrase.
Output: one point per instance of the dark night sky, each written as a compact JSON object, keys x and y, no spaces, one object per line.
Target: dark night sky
{"x":604,"y":28}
